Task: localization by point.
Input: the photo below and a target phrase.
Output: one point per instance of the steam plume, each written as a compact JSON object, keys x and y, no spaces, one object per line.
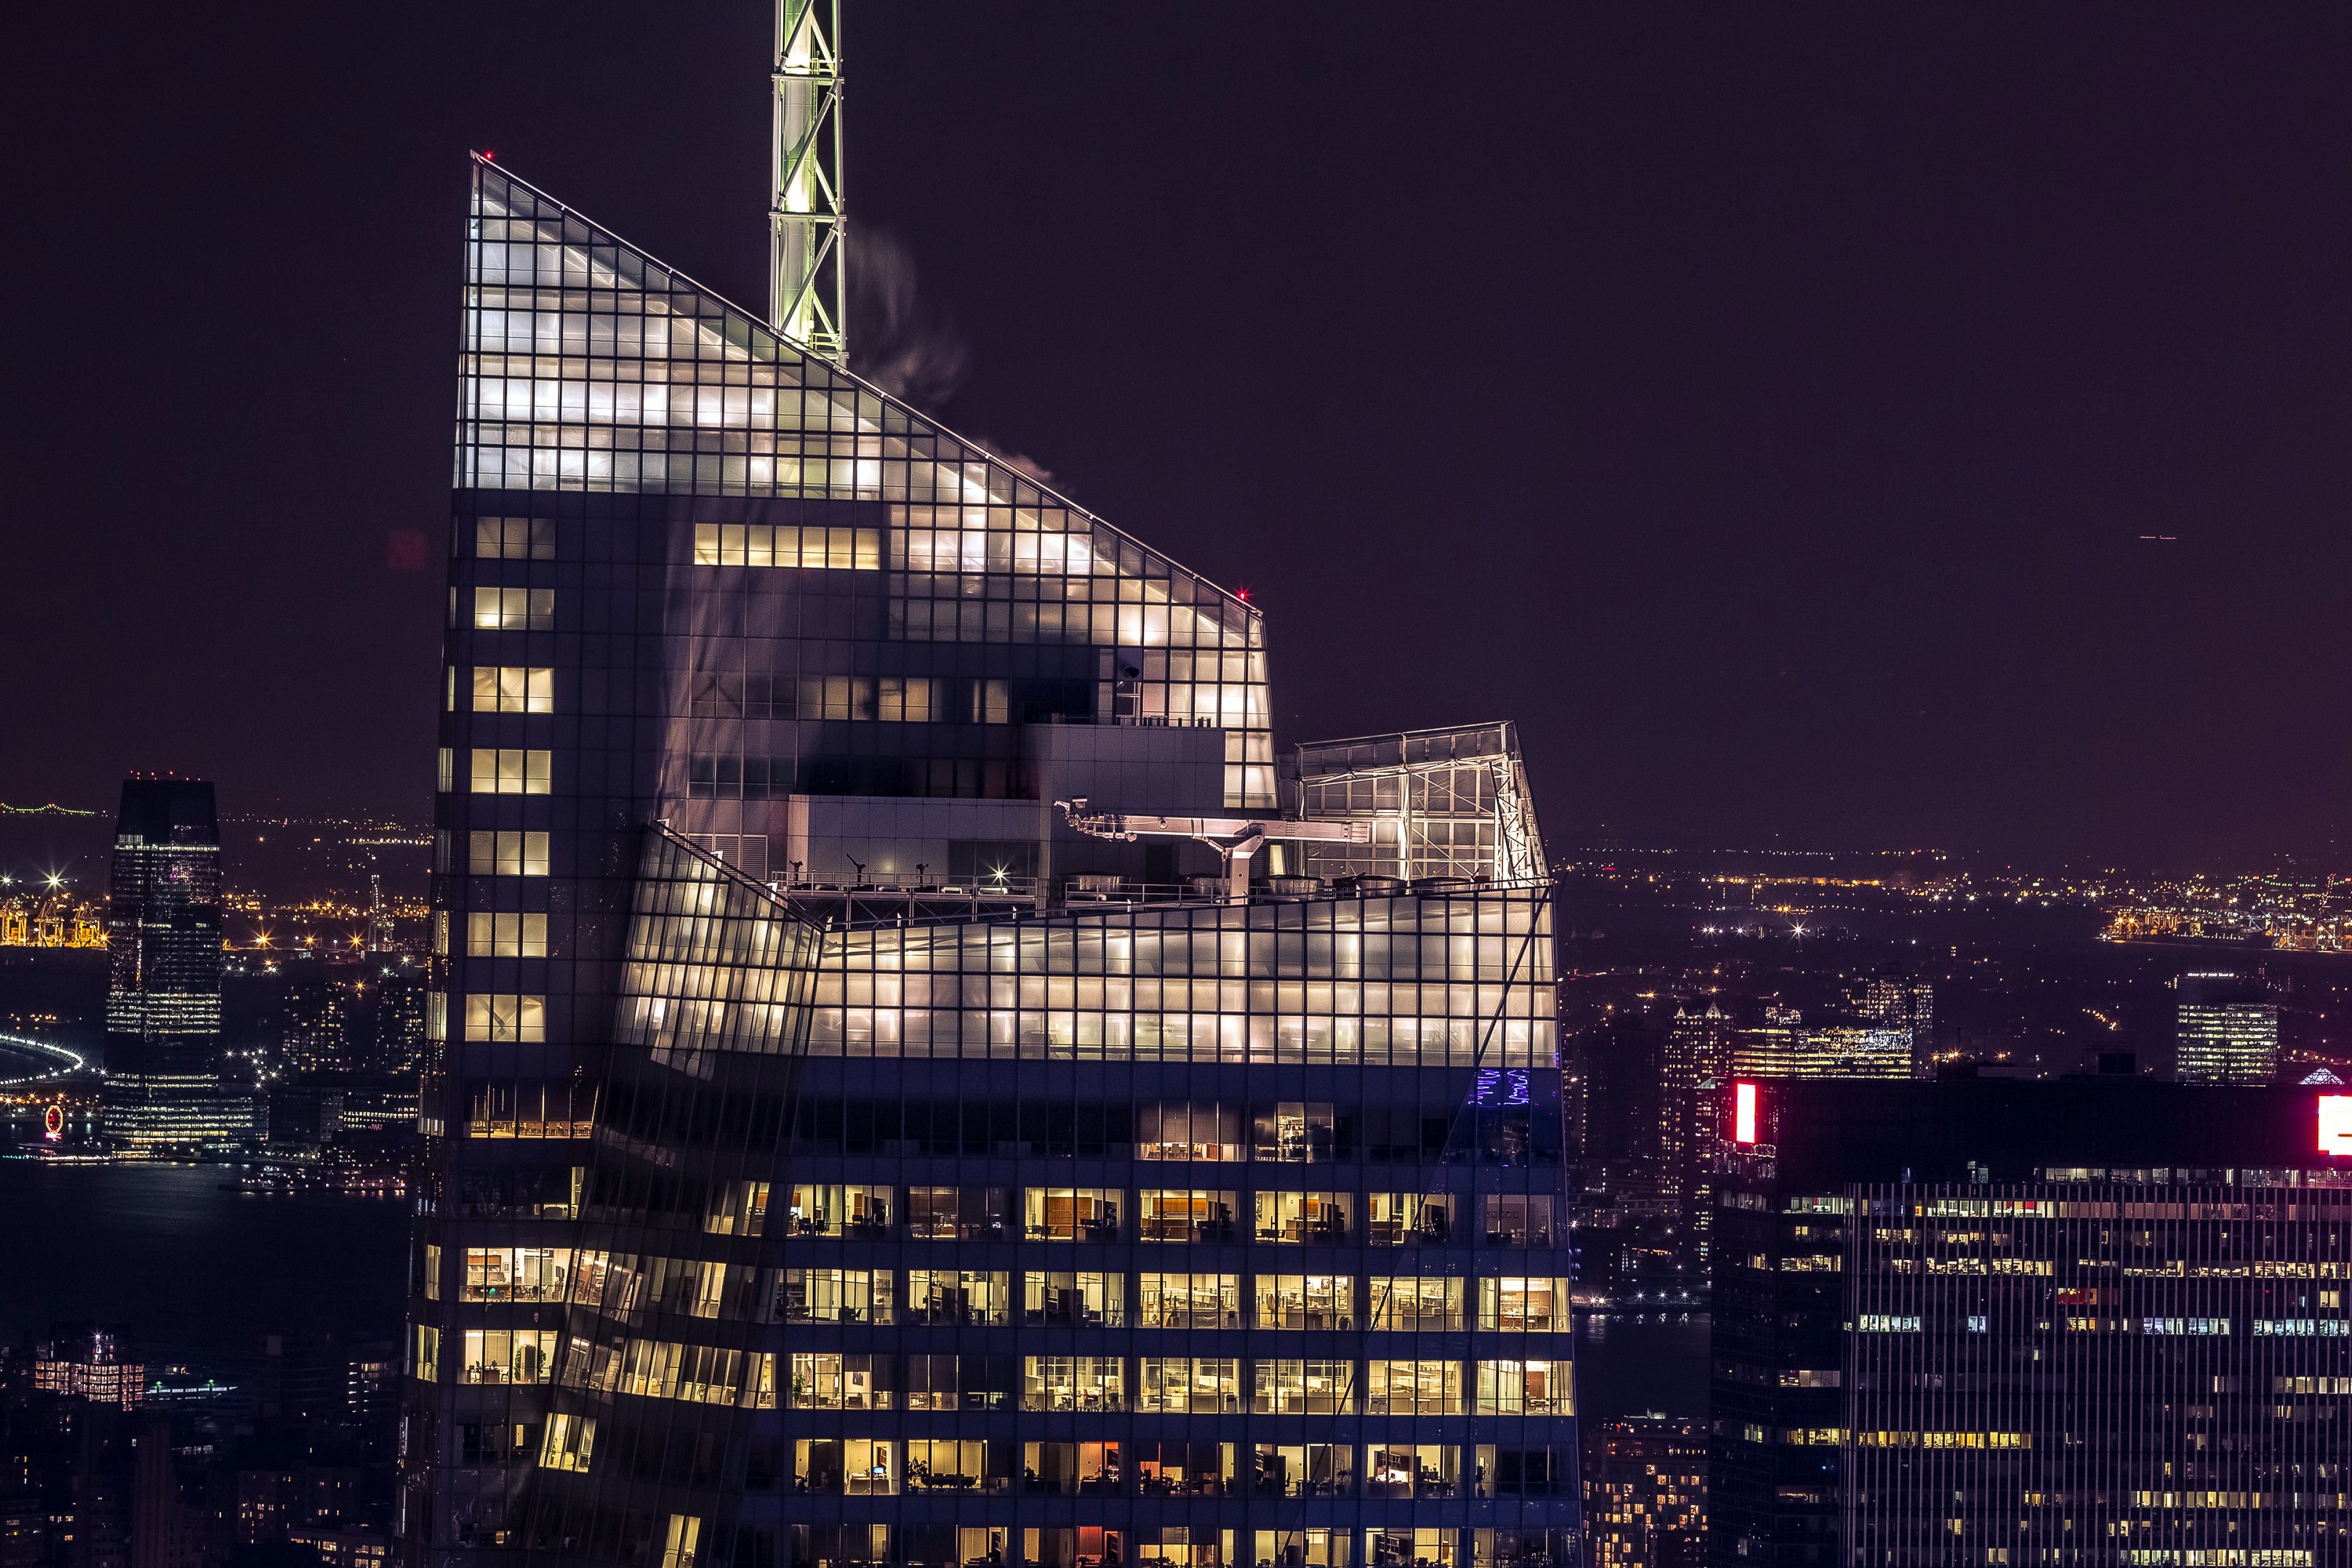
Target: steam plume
{"x":901,"y":339}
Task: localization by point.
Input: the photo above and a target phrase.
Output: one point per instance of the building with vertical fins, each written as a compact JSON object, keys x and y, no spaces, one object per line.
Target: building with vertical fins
{"x":913,"y":1079}
{"x":2098,"y":1320}
{"x":163,"y":1087}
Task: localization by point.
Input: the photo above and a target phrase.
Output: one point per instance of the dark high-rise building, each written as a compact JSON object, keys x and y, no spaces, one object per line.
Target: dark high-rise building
{"x":163,"y":1040}
{"x":2098,"y":1320}
{"x":316,"y":1019}
{"x":909,"y":1082}
{"x":399,"y":1030}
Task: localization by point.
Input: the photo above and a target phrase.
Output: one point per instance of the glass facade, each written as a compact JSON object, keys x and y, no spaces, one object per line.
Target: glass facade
{"x":2227,"y":1030}
{"x":2103,"y":1342}
{"x":163,"y":1042}
{"x":838,"y":1159}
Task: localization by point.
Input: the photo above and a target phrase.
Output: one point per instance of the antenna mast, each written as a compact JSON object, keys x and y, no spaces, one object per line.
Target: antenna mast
{"x":808,"y":246}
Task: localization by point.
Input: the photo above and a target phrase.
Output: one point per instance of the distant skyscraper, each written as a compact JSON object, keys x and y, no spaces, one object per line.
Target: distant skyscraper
{"x":2092,"y":1319}
{"x":163,"y":992}
{"x":379,"y":928}
{"x":399,"y":1022}
{"x":317,"y":1023}
{"x":1698,"y":1061}
{"x":1904,"y":1004}
{"x":1645,"y":1493}
{"x":1785,"y":1046}
{"x":2228,"y":1029}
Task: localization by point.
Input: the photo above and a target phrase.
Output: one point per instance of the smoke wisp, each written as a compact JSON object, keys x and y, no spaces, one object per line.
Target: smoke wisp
{"x":900,"y":338}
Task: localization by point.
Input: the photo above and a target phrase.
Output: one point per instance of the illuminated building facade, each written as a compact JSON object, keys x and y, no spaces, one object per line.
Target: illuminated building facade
{"x":843,"y":1154}
{"x":92,"y":1363}
{"x":1646,"y":1492}
{"x":2065,"y":1321}
{"x":2227,"y":1030}
{"x":315,"y":1011}
{"x":1784,"y":1045}
{"x":163,"y":1042}
{"x":1904,"y":1004}
{"x":1695,"y":1063}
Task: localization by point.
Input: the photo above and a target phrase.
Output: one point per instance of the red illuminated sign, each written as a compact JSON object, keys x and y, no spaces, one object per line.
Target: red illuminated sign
{"x":2335,"y":1124}
{"x":1743,"y":1113}
{"x":54,"y":1122}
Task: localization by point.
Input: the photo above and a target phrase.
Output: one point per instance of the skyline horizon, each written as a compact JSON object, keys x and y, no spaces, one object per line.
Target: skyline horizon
{"x":1883,"y":542}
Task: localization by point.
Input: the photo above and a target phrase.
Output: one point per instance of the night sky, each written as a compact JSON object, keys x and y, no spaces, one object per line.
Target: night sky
{"x":1764,"y":405}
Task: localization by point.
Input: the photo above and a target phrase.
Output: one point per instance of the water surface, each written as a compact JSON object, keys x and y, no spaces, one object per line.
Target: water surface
{"x":197,"y":1271}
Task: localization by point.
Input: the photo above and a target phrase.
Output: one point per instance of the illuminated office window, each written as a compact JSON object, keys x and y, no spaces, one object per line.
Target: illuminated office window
{"x":514,"y":609}
{"x":1072,"y":1383}
{"x":1177,"y":1214}
{"x":1524,"y":1388}
{"x":966,"y":1296}
{"x":837,"y":1466}
{"x":1092,"y":1300}
{"x":1513,"y":1305}
{"x":681,"y":1541}
{"x":758,"y":545}
{"x":503,"y":854}
{"x":1189,"y":1300}
{"x":514,"y":689}
{"x":489,"y":935}
{"x":504,"y":1015}
{"x":508,"y":1355}
{"x":1305,"y":1301}
{"x":1413,"y":1387}
{"x":1305,"y":1387}
{"x":1405,"y":1303}
{"x":836,"y":1296}
{"x":1200,"y":1385}
{"x":571,"y":1443}
{"x":1412,"y":1470}
{"x":508,"y":771}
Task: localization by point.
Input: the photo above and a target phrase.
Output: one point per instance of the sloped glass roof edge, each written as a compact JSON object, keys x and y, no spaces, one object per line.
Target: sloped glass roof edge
{"x":483,"y":165}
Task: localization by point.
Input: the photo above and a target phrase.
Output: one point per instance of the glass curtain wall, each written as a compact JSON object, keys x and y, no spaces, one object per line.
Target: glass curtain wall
{"x":759,"y":1232}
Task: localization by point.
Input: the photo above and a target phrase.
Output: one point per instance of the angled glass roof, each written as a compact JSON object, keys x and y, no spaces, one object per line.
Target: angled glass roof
{"x":589,"y":366}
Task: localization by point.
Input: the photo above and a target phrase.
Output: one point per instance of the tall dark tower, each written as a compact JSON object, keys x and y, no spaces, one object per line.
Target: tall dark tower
{"x":163,"y":992}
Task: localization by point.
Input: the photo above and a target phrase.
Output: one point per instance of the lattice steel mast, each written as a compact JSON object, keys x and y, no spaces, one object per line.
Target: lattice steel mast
{"x":808,"y":248}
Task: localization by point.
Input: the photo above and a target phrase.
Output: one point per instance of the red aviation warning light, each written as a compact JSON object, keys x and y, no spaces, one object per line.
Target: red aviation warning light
{"x":2335,"y":1124}
{"x":1743,"y":1113}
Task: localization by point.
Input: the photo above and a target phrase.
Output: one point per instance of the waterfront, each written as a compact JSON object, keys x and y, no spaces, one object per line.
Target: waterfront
{"x":196,"y":1269}
{"x":1629,"y":1364}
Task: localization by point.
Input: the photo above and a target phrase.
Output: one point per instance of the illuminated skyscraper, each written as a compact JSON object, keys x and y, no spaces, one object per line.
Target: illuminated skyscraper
{"x":163,"y":987}
{"x":908,"y":1083}
{"x":1698,"y":1059}
{"x":1902,"y":1003}
{"x":2229,"y":1030}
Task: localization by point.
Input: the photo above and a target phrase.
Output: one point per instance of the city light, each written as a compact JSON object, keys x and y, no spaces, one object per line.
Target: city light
{"x":2335,"y":1124}
{"x":1743,"y":1113}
